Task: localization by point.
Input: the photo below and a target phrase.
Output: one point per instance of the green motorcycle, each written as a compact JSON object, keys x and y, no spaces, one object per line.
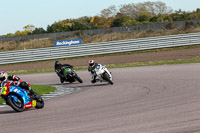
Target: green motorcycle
{"x":70,"y":76}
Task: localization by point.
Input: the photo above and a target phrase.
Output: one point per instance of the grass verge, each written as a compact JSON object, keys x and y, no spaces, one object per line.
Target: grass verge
{"x":150,"y":63}
{"x":39,"y":89}
{"x":154,"y":63}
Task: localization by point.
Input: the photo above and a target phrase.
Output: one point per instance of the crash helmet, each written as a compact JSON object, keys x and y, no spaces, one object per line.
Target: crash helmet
{"x":91,"y":63}
{"x":57,"y":64}
{"x":3,"y":76}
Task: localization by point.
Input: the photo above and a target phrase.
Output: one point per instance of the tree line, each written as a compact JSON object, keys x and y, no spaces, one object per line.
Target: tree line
{"x":124,"y":15}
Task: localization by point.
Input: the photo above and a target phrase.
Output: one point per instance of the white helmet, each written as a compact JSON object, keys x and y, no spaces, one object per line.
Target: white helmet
{"x":3,"y":76}
{"x":91,"y":63}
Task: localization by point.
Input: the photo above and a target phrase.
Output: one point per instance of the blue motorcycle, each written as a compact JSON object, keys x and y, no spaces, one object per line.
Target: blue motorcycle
{"x":18,"y":98}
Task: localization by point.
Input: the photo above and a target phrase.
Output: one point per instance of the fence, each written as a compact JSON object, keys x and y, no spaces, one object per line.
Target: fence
{"x":99,"y":48}
{"x":97,"y":31}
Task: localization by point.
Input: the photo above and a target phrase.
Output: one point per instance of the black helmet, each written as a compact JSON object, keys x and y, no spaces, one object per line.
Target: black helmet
{"x":57,"y":63}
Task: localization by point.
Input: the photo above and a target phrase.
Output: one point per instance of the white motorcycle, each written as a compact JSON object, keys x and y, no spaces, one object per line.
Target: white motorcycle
{"x":103,"y":74}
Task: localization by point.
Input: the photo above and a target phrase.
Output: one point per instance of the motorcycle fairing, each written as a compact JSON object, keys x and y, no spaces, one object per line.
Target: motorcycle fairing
{"x":66,"y":71}
{"x":30,"y":104}
{"x":21,"y":92}
{"x":4,"y":91}
{"x":99,"y":69}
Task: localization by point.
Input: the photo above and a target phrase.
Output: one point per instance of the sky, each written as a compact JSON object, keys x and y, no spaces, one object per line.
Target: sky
{"x":15,"y":14}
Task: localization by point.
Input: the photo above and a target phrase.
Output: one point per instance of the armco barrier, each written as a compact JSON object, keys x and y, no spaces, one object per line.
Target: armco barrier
{"x":99,"y":48}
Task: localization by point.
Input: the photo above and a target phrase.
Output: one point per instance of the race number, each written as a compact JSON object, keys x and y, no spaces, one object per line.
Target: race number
{"x":3,"y":90}
{"x":34,"y":103}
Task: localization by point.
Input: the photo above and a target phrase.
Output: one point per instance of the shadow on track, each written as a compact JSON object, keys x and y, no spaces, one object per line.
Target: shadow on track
{"x":7,"y":112}
{"x":64,"y":83}
{"x":91,"y":85}
{"x":10,"y":111}
{"x":78,"y":85}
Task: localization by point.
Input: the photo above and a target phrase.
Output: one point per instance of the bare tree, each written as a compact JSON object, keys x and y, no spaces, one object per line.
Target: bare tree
{"x":162,"y":8}
{"x":152,"y":8}
{"x":129,"y":10}
{"x":109,"y":12}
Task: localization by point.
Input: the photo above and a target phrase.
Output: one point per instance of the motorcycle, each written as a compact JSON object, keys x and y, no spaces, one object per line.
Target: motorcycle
{"x":103,"y":74}
{"x":18,"y":98}
{"x":70,"y":76}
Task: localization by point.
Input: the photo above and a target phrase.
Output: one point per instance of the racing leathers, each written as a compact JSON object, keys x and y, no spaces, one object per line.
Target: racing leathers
{"x":59,"y":68}
{"x":18,"y":82}
{"x":91,"y":69}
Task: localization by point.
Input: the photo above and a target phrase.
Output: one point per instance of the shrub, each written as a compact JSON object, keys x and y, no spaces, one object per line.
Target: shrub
{"x":169,"y":26}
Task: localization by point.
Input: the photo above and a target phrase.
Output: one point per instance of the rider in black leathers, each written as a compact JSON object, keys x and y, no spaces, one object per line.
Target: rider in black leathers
{"x":59,"y":70}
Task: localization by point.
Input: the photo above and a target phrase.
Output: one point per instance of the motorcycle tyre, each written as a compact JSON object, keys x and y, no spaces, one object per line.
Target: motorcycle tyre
{"x":78,"y":79}
{"x":13,"y":106}
{"x":107,"y":78}
{"x":39,"y":103}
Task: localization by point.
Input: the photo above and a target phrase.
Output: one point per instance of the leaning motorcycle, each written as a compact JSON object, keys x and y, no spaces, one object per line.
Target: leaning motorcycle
{"x":103,"y":74}
{"x":70,"y":76}
{"x":18,"y":98}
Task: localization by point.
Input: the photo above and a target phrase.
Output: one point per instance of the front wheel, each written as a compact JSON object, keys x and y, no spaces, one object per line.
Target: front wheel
{"x":107,"y":78}
{"x":16,"y":102}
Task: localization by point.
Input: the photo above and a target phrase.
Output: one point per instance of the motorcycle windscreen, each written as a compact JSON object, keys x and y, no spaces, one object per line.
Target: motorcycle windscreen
{"x":65,"y":71}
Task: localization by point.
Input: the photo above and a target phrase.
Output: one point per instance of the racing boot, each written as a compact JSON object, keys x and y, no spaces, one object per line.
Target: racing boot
{"x":93,"y":80}
{"x":33,"y":94}
{"x":61,"y":80}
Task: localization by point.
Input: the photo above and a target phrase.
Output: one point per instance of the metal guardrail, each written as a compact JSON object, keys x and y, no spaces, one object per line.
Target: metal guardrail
{"x":99,"y":48}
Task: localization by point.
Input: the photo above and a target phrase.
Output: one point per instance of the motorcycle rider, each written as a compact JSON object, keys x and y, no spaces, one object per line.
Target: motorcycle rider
{"x":16,"y":81}
{"x":91,"y":67}
{"x":59,"y":68}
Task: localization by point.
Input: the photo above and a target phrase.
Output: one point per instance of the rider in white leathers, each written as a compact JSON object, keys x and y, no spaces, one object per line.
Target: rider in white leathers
{"x":91,"y":67}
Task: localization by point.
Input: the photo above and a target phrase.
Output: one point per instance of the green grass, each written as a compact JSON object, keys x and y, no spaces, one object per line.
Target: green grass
{"x":40,"y":70}
{"x":154,"y":63}
{"x":150,"y":63}
{"x":39,"y":89}
{"x":43,"y":89}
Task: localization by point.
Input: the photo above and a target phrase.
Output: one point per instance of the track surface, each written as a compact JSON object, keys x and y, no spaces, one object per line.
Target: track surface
{"x":153,"y":99}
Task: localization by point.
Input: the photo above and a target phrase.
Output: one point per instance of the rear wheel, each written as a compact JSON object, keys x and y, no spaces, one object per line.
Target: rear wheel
{"x":78,"y":78}
{"x":107,"y":78}
{"x":39,"y":103}
{"x":16,"y":102}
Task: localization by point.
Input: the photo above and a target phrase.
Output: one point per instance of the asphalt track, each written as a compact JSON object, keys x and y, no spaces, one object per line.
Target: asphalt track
{"x":152,"y":99}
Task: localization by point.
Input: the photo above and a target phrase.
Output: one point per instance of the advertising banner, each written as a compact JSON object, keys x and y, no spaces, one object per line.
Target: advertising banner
{"x":67,"y":42}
